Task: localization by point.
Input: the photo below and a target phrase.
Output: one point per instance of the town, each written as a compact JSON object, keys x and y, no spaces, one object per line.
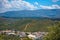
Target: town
{"x":31,"y":35}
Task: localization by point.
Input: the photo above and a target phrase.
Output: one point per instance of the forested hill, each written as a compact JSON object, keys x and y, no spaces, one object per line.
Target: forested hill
{"x":20,"y":24}
{"x":50,"y":13}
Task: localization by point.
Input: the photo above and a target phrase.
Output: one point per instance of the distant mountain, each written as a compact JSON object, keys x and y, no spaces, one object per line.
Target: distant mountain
{"x":50,"y":13}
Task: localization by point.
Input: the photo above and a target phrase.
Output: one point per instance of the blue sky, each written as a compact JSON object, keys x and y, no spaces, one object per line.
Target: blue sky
{"x":44,"y":2}
{"x":15,"y":5}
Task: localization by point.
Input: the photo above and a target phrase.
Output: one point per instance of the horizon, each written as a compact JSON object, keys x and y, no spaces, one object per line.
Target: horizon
{"x":17,"y":5}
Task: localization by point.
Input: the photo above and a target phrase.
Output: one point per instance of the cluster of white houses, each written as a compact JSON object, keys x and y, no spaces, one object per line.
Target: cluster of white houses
{"x":31,"y":35}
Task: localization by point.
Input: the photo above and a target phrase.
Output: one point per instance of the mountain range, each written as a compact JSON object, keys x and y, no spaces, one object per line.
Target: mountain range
{"x":50,"y":13}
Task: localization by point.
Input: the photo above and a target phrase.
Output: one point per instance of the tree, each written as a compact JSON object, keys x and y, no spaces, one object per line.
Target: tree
{"x":54,"y":33}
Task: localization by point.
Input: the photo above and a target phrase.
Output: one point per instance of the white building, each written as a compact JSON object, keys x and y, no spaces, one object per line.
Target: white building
{"x":33,"y":37}
{"x":22,"y":34}
{"x":10,"y":33}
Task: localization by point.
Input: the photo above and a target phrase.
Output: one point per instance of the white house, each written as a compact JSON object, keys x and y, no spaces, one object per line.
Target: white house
{"x":10,"y":33}
{"x":22,"y":34}
{"x":32,"y":36}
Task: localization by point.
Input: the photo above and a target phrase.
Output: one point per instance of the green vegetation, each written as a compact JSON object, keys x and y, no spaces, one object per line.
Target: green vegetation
{"x":20,"y":24}
{"x":12,"y":37}
{"x":9,"y":37}
{"x":54,"y":33}
{"x":31,"y":25}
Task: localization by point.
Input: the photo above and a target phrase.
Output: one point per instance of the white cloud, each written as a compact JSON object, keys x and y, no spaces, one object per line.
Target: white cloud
{"x":55,"y":0}
{"x":36,"y":3}
{"x":50,"y":7}
{"x":56,"y":6}
{"x":45,"y":7}
{"x":13,"y":5}
{"x":29,"y":5}
{"x":17,"y":5}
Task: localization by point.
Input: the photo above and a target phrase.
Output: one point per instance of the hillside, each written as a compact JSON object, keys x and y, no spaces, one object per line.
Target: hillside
{"x":50,"y":13}
{"x":33,"y":24}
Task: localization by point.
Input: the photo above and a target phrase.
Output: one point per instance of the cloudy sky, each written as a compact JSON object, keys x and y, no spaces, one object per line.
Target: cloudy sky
{"x":14,"y":5}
